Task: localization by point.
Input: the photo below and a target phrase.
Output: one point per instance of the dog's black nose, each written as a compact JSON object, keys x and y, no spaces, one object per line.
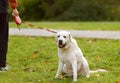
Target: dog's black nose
{"x":60,"y":41}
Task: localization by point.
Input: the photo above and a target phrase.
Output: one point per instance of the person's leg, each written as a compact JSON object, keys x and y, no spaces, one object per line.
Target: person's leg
{"x":3,"y":38}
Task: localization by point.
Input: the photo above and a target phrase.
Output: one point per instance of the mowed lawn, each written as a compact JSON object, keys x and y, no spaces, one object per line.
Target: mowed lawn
{"x":34,"y":60}
{"x":74,"y":25}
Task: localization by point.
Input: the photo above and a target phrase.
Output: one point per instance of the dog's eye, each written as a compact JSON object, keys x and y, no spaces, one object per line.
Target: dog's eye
{"x":58,"y":36}
{"x":64,"y":36}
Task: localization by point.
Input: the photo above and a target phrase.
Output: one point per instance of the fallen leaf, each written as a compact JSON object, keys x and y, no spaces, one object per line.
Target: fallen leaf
{"x":46,"y":62}
{"x":61,"y":77}
{"x":34,"y":55}
{"x":28,"y":69}
{"x":97,"y":58}
{"x":118,"y":81}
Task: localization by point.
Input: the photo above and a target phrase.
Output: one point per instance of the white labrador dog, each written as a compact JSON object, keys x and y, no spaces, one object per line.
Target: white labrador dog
{"x":71,"y":59}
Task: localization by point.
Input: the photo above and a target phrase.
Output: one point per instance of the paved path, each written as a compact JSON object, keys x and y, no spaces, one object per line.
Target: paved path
{"x":75,"y":33}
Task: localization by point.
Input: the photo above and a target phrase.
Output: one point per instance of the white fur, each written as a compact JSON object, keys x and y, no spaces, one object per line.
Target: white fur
{"x":71,"y":59}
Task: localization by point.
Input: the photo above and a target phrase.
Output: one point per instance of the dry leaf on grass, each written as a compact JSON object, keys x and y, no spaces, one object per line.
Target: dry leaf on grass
{"x":28,"y":69}
{"x":46,"y":62}
{"x":34,"y":55}
{"x":61,"y":77}
{"x":118,"y":81}
{"x":97,"y":58}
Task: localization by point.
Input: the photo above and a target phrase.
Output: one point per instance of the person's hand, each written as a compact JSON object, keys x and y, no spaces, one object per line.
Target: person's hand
{"x":15,"y":12}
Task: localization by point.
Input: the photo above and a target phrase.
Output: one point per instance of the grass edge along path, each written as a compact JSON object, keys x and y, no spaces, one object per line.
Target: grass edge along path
{"x":74,"y":25}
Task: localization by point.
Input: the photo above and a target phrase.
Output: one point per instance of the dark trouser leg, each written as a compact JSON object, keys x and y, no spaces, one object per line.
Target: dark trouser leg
{"x":3,"y":38}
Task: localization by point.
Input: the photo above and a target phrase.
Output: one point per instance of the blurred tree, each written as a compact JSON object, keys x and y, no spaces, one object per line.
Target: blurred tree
{"x":85,"y":10}
{"x":92,"y":10}
{"x":57,"y":8}
{"x":73,"y":10}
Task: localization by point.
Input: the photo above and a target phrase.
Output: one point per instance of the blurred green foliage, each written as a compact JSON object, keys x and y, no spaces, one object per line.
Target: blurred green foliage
{"x":70,"y":10}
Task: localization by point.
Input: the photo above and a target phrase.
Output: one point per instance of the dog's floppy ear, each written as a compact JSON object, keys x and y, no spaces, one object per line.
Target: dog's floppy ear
{"x":56,"y":38}
{"x":70,"y":37}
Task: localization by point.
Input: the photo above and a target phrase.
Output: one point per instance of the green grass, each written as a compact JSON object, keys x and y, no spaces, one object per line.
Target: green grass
{"x":34,"y":60}
{"x":75,"y":25}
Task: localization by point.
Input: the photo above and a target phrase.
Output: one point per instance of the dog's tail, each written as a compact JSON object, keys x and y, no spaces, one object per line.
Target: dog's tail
{"x":99,"y":70}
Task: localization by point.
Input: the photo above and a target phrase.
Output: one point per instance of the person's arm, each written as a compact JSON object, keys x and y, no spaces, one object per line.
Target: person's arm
{"x":14,"y":4}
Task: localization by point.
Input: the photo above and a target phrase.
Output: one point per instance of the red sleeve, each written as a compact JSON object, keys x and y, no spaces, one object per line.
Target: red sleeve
{"x":13,"y":3}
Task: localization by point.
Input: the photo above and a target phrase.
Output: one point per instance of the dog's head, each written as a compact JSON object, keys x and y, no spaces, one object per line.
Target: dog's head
{"x":63,"y":38}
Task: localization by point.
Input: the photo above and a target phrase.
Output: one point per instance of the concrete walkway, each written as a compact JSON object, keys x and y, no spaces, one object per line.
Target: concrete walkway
{"x":75,"y":33}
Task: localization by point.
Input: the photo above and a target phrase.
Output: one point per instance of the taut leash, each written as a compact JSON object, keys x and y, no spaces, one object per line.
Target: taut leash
{"x":31,"y":25}
{"x":18,"y":21}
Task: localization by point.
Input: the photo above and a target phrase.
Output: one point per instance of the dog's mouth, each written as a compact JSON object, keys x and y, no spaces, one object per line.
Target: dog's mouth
{"x":60,"y":45}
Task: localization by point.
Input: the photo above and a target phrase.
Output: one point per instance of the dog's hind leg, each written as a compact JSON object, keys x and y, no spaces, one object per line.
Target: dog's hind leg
{"x":86,"y":69}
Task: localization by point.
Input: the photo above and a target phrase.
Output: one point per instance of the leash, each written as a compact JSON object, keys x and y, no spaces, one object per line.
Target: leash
{"x":18,"y":21}
{"x":31,"y":25}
